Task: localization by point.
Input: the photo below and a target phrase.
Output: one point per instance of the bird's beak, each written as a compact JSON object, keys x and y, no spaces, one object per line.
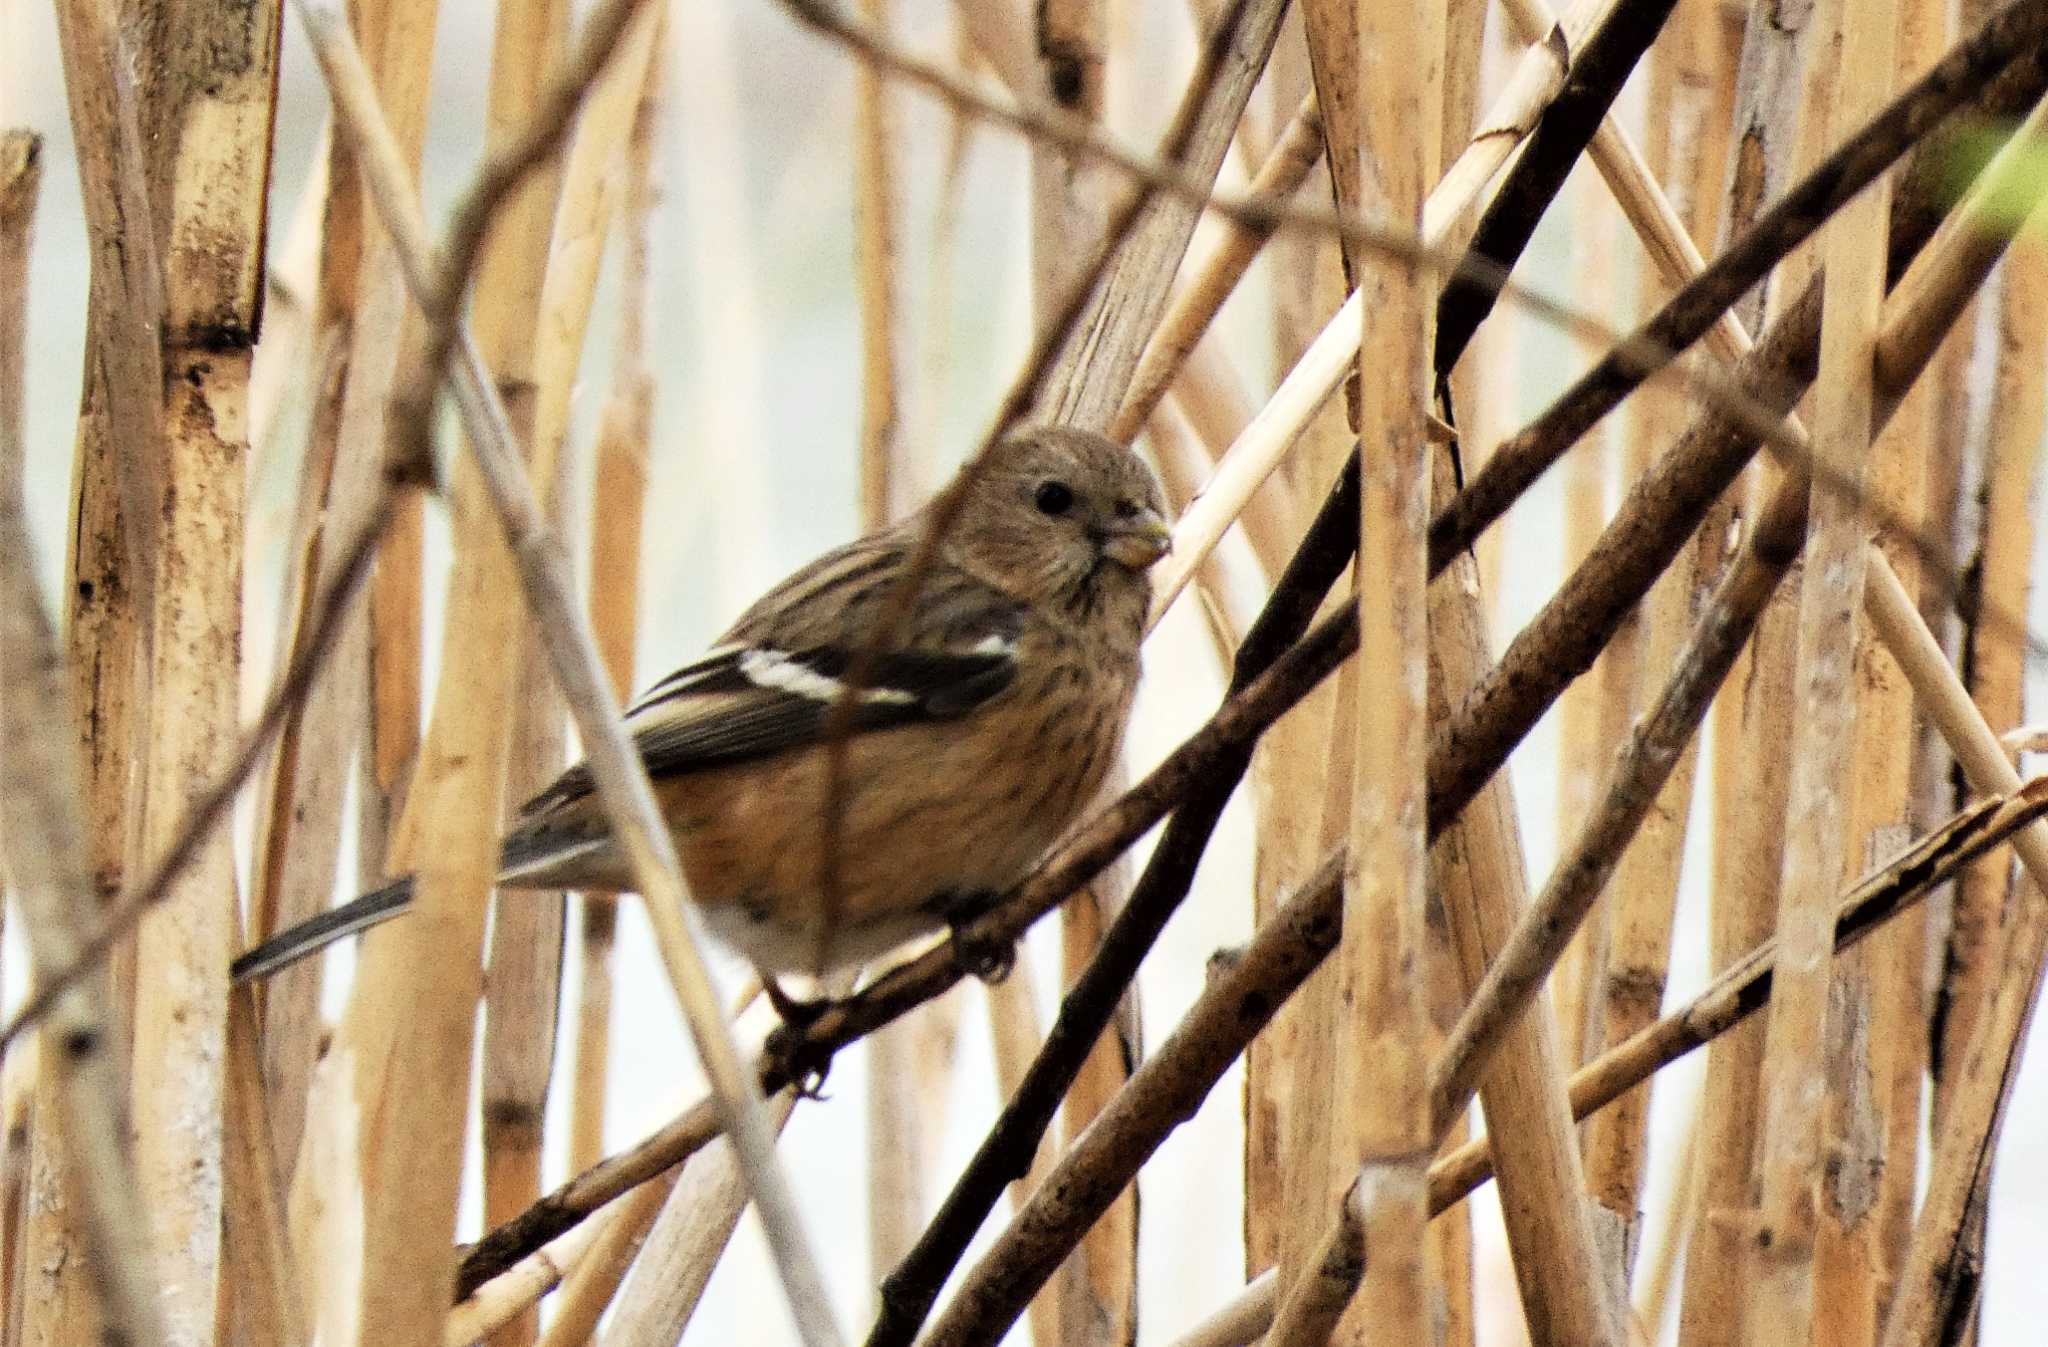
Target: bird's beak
{"x":1137,"y":542}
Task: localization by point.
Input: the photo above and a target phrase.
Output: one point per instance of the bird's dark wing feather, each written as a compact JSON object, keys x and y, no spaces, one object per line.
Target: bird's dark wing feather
{"x":767,"y":689}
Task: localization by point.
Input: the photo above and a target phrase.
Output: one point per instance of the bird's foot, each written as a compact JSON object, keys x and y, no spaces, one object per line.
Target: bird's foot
{"x":984,"y":957}
{"x":807,"y":1064}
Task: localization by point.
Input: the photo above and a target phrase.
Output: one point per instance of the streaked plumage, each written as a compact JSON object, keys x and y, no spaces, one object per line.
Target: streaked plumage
{"x":976,"y":737}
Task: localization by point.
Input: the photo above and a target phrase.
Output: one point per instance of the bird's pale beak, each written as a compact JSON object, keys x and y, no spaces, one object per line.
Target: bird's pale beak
{"x":1139,"y":541}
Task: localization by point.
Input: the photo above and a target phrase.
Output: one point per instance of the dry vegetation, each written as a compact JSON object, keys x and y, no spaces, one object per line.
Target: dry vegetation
{"x":1800,"y":457}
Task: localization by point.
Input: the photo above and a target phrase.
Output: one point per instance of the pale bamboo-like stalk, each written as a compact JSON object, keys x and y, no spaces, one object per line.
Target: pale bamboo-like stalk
{"x":1888,"y":739}
{"x":83,"y":1092}
{"x":1232,"y":574}
{"x":619,"y":499}
{"x":1214,"y":275}
{"x":522,"y":988}
{"x":18,"y":1118}
{"x":1296,"y":762}
{"x":362,"y":321}
{"x":876,"y":265}
{"x":681,"y":1251}
{"x":1586,"y":708}
{"x":1485,"y":383}
{"x":1321,"y":1153}
{"x":1017,"y":1035}
{"x":589,"y":1289}
{"x":403,"y":64}
{"x":620,"y":776}
{"x":265,"y":1304}
{"x":1753,"y":717}
{"x":1594,"y":243}
{"x":1694,"y":94}
{"x":1382,"y":1121}
{"x":1069,"y":205}
{"x":897,"y":1148}
{"x":203,"y":113}
{"x":513,"y":1292}
{"x":1795,"y":1079}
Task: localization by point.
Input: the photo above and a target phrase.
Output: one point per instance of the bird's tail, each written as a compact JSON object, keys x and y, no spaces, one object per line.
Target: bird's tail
{"x":315,"y":934}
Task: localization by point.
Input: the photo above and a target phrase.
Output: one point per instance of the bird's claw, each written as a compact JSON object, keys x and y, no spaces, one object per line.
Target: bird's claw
{"x":984,"y":957}
{"x":806,"y":1064}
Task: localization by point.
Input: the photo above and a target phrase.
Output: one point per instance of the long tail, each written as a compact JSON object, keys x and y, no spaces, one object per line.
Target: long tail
{"x":311,"y":936}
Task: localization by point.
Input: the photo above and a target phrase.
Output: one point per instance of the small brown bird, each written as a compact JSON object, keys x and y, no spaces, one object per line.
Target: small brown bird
{"x":975,"y":737}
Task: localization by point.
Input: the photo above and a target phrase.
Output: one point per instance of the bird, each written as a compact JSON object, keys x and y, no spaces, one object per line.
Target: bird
{"x":974,"y":738}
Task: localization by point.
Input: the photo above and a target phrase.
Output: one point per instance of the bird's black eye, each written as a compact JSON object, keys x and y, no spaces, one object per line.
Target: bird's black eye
{"x":1053,"y":498}
{"x":1127,"y":509}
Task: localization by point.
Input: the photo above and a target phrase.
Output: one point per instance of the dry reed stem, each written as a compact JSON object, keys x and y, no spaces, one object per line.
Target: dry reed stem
{"x":619,"y":497}
{"x":1753,"y":720}
{"x":1736,"y":993}
{"x":265,"y":1304}
{"x":1233,"y":573}
{"x":1214,"y":275}
{"x":1319,"y":1155}
{"x":876,"y":265}
{"x":18,"y":1117}
{"x":401,"y":56}
{"x":1795,"y":1079}
{"x":1016,"y":1038}
{"x":107,"y":574}
{"x":1095,"y":1291}
{"x":1996,"y":659}
{"x":504,"y":1298}
{"x":364,"y":322}
{"x":588,"y":1290}
{"x":522,"y":984}
{"x":897,"y":1149}
{"x":1569,"y":1294}
{"x":42,"y":815}
{"x":204,"y":111}
{"x":1889,"y":732}
{"x":1594,"y":709}
{"x":1691,"y":84}
{"x":1294,"y":765}
{"x":682,"y":1250}
{"x":1594,"y":241}
{"x":620,"y":777}
{"x":1380,"y":1117}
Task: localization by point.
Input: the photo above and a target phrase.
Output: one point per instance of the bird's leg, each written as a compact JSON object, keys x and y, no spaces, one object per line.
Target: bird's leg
{"x":981,"y":956}
{"x":808,"y":1063}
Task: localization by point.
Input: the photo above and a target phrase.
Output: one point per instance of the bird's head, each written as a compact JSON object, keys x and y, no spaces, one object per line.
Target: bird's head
{"x":1063,"y":516}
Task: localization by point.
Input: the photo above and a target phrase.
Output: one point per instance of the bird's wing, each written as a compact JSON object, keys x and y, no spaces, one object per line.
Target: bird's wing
{"x":773,"y":683}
